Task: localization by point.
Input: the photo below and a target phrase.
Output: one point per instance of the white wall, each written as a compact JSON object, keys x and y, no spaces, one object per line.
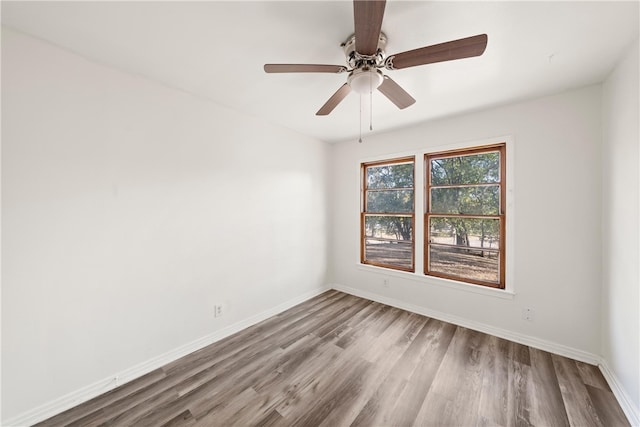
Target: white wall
{"x":621,"y":255}
{"x":122,"y":224}
{"x":129,"y":210}
{"x":556,"y":222}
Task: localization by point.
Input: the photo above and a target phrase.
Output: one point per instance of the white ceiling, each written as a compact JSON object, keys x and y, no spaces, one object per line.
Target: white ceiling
{"x":217,"y":49}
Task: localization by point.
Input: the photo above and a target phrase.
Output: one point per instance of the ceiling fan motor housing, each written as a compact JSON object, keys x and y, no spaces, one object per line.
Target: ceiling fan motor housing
{"x":357,"y":60}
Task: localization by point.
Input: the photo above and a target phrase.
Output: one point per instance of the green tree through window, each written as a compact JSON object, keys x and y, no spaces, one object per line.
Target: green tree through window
{"x":464,"y":219}
{"x":387,"y":214}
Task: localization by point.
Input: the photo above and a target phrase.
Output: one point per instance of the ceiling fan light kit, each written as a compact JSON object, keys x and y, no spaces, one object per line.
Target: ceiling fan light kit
{"x":365,"y":57}
{"x":365,"y":80}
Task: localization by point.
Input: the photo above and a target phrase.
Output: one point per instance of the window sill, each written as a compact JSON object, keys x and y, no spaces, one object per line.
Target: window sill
{"x":437,"y":281}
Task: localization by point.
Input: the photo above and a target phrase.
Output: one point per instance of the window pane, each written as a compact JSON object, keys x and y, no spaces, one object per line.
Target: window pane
{"x":470,"y":169}
{"x":468,"y":232}
{"x":389,"y":240}
{"x":464,"y":228}
{"x":482,"y":200}
{"x":464,"y":263}
{"x":389,"y":252}
{"x":390,"y":201}
{"x":388,"y":213}
{"x":389,"y":227}
{"x":390,"y":176}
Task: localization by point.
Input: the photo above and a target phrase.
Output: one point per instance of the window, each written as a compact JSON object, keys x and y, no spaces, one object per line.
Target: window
{"x":387,"y":214}
{"x":465,"y":215}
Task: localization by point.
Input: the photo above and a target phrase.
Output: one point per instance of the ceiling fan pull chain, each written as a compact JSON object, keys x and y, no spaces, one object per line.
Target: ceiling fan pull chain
{"x":360,"y":139}
{"x":370,"y":106}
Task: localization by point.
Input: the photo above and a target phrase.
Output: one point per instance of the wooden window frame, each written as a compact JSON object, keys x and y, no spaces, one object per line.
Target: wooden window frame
{"x":364,"y":211}
{"x":501,"y":216}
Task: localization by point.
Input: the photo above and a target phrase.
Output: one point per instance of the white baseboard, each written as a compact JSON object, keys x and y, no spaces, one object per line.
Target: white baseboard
{"x":631,"y":410}
{"x":92,"y":390}
{"x":84,"y":394}
{"x":538,"y":343}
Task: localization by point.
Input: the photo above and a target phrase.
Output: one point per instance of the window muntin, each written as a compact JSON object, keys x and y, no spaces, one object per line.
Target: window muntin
{"x":464,"y":215}
{"x":387,"y":214}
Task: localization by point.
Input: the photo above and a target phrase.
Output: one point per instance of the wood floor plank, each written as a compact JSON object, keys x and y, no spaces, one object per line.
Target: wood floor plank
{"x":519,"y":406}
{"x":92,"y":408}
{"x":311,"y":388}
{"x":207,"y":395}
{"x":266,"y":369}
{"x":329,"y":322}
{"x":231,"y":410}
{"x":306,"y":363}
{"x":580,"y":409}
{"x":592,"y":376}
{"x":385,"y":341}
{"x":254,"y":335}
{"x":459,"y":378}
{"x":382,"y":404}
{"x":608,"y":409}
{"x":547,"y":407}
{"x":332,"y":395}
{"x":495,"y":403}
{"x":290,"y":392}
{"x":375,"y":324}
{"x":339,"y":360}
{"x":520,"y":353}
{"x":391,"y":345}
{"x":92,"y":419}
{"x":247,"y":409}
{"x":236,"y":380}
{"x":335,"y":368}
{"x":184,"y":419}
{"x":273,"y":418}
{"x":436,"y":410}
{"x":134,"y":414}
{"x":418,"y":366}
{"x":352,"y":324}
{"x":196,"y":396}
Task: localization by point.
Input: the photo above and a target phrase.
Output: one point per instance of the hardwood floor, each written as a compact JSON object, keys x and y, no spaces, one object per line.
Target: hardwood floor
{"x":339,"y":360}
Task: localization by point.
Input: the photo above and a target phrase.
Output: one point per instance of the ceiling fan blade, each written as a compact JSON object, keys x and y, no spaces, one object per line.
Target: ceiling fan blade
{"x":335,"y":99}
{"x":303,"y":68}
{"x":368,"y":16}
{"x":395,"y":93}
{"x":455,"y":49}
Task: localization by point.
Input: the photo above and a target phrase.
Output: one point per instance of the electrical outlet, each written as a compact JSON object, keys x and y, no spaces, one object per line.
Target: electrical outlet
{"x":385,"y":282}
{"x":528,"y":314}
{"x":217,"y":310}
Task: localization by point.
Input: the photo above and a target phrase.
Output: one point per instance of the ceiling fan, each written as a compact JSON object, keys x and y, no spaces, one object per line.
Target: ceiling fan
{"x":365,"y":55}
